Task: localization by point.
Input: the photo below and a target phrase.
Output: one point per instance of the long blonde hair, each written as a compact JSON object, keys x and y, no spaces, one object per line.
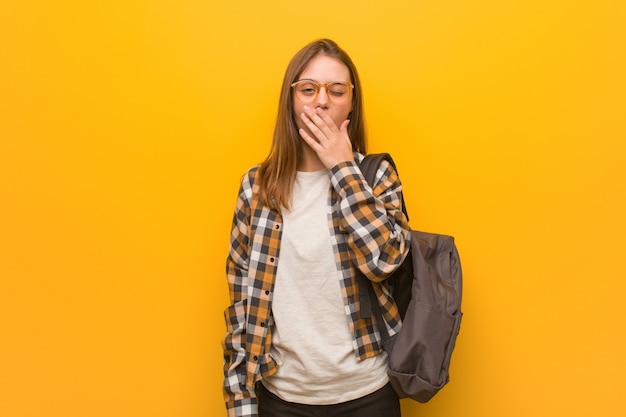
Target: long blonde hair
{"x":277,"y":173}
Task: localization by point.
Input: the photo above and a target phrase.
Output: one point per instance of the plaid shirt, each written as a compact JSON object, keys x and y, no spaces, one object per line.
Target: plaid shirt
{"x":369,"y":232}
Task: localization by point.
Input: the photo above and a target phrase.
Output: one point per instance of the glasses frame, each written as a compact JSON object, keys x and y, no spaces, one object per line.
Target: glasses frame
{"x":319,"y":86}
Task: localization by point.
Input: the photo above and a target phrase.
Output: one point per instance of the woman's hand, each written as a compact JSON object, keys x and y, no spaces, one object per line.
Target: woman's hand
{"x":331,"y":144}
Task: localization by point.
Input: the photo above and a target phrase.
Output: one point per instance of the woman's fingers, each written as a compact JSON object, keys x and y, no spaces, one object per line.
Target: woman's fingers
{"x":313,"y":143}
{"x":331,"y":143}
{"x":320,"y":123}
{"x":325,"y":122}
{"x":316,"y":131}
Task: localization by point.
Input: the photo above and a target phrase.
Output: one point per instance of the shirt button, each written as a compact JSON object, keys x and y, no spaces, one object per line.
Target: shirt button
{"x":277,"y":226}
{"x":272,"y":259}
{"x":262,"y":324}
{"x":267,"y":292}
{"x":256,"y":358}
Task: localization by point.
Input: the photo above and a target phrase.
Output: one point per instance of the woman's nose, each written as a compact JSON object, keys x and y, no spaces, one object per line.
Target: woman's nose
{"x":322,"y":98}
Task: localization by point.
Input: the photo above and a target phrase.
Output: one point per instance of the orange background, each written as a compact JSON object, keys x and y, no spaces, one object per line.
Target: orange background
{"x":126,"y":125}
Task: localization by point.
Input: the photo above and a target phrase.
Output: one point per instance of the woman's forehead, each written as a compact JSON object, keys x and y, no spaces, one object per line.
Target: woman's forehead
{"x":324,"y":68}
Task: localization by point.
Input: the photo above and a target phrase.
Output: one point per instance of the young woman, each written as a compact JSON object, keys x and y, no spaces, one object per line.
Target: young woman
{"x":305,"y":221}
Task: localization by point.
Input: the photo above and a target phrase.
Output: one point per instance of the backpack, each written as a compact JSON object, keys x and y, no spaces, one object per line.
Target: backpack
{"x":427,"y":288}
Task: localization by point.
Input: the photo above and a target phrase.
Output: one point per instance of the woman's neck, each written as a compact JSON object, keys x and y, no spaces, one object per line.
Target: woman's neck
{"x":309,"y":162}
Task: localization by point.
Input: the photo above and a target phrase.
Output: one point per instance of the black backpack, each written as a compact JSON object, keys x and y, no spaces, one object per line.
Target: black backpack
{"x":427,"y":289}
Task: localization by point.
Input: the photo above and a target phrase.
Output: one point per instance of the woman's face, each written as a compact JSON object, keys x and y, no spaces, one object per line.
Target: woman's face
{"x":323,"y":69}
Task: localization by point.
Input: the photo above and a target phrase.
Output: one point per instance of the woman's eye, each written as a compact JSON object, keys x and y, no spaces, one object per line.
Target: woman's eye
{"x":338,"y":90}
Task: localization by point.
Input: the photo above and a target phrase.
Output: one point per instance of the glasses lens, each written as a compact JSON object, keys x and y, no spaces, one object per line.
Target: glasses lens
{"x":338,"y":92}
{"x":306,"y":91}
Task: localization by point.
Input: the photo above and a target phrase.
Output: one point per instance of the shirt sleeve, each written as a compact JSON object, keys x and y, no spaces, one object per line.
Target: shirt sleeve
{"x":239,"y":397}
{"x":372,"y":217}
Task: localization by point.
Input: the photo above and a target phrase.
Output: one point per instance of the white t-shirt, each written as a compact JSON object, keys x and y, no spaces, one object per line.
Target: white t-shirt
{"x":311,"y":341}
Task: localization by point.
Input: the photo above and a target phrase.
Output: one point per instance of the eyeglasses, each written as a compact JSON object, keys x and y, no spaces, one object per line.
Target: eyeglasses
{"x":307,"y":90}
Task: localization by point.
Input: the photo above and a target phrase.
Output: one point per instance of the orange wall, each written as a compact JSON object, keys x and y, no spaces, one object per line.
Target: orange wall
{"x":126,"y":125}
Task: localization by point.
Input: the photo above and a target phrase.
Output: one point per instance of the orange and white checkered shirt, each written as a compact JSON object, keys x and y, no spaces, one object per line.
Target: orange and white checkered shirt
{"x":370,"y":233}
